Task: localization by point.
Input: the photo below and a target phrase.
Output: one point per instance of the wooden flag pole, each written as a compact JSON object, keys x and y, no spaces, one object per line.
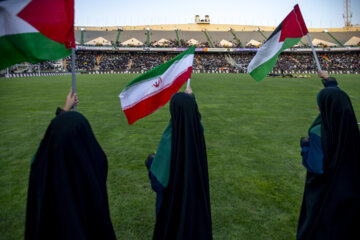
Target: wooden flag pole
{"x":313,"y":50}
{"x":73,"y":68}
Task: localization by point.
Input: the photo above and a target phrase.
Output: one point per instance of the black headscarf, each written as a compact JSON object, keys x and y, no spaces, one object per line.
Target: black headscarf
{"x":185,"y":210}
{"x":331,"y":202}
{"x":67,"y":197}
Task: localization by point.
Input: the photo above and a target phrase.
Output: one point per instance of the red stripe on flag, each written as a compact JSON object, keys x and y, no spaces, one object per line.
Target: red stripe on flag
{"x":293,"y":25}
{"x":54,"y":19}
{"x":151,"y":104}
{"x":300,"y":19}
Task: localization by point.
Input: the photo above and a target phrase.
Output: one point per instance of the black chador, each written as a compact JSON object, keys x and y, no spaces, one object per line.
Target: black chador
{"x":67,"y":197}
{"x":185,"y":208}
{"x":331,"y":202}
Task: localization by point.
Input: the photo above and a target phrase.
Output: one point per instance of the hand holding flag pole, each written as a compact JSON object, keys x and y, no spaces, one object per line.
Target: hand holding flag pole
{"x":72,"y":101}
{"x":188,"y":89}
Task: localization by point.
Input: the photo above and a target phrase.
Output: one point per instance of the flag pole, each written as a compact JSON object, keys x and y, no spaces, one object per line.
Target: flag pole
{"x":313,"y":50}
{"x":188,"y":83}
{"x":73,"y":73}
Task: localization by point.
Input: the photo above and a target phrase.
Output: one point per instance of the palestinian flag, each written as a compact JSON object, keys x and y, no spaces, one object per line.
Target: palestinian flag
{"x":286,"y":35}
{"x":153,"y":89}
{"x":35,"y":30}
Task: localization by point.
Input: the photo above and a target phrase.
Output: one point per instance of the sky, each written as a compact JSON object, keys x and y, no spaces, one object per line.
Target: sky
{"x":316,"y":13}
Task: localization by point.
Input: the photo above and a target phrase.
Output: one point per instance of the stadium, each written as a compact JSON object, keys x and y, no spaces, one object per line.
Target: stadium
{"x":252,"y":129}
{"x":219,"y":49}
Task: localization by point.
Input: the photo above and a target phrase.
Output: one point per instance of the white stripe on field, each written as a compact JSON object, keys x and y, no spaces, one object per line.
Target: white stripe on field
{"x":266,"y":52}
{"x":146,"y":88}
{"x":9,"y":21}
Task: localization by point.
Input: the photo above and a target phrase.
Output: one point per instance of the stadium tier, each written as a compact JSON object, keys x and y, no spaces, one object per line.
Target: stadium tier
{"x":220,"y":49}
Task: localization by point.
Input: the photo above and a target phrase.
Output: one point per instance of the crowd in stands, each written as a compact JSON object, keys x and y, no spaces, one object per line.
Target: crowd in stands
{"x":286,"y":62}
{"x":102,"y":61}
{"x":330,"y":62}
{"x":148,"y":61}
{"x":210,"y":61}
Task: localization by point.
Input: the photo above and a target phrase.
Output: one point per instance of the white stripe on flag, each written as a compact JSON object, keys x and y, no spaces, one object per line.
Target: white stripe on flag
{"x":145,"y":89}
{"x":266,"y":52}
{"x":9,"y":21}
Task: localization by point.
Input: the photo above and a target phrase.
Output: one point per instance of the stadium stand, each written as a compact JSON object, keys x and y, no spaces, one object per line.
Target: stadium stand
{"x":247,"y":36}
{"x":95,"y":62}
{"x":158,"y":35}
{"x":226,"y":56}
{"x":77,"y":37}
{"x":216,"y":34}
{"x":138,"y":34}
{"x":217,"y":37}
{"x":198,"y":36}
{"x":318,"y":35}
{"x":343,"y":37}
{"x":91,"y":35}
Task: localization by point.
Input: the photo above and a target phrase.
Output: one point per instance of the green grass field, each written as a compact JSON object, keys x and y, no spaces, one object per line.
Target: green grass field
{"x":252,"y":133}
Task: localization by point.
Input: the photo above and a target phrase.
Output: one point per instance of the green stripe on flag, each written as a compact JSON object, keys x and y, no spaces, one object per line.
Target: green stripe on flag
{"x":29,"y":47}
{"x":161,"y":68}
{"x":263,"y":70}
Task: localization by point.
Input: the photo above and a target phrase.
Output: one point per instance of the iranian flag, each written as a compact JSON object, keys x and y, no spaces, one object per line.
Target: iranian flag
{"x":35,"y":30}
{"x":153,"y":89}
{"x":286,"y":35}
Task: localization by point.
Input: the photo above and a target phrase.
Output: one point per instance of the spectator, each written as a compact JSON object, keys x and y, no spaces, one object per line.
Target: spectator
{"x":331,"y":155}
{"x":180,"y":166}
{"x":67,"y":196}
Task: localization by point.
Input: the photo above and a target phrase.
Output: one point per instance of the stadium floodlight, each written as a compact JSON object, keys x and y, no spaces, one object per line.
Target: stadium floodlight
{"x":326,"y":30}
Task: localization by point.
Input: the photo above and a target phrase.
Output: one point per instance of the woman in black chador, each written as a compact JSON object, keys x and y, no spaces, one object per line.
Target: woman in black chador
{"x":180,"y":169}
{"x":331,"y":202}
{"x":67,"y":197}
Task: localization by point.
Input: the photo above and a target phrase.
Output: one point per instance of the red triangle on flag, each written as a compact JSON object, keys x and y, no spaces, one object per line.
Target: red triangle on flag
{"x":54,"y":19}
{"x":293,"y":26}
